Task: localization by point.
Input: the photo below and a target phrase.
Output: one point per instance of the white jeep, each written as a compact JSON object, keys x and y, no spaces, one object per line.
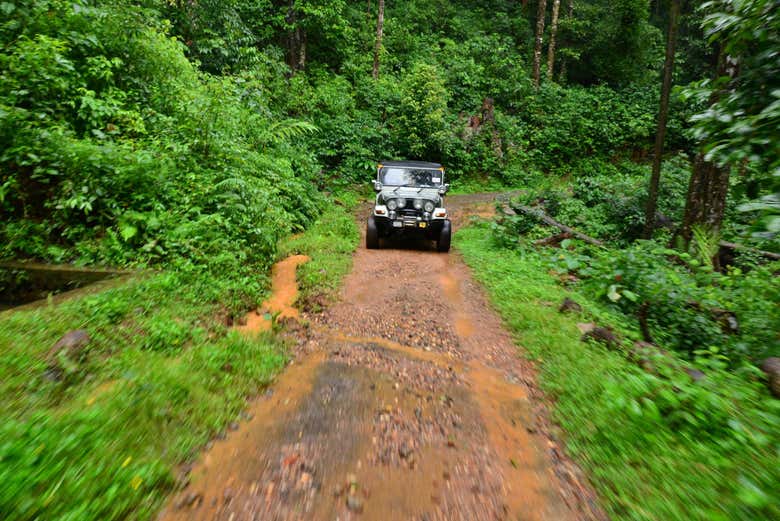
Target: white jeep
{"x":410,"y":201}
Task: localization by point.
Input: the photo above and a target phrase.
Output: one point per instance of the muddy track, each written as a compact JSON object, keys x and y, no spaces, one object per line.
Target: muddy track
{"x":406,"y":400}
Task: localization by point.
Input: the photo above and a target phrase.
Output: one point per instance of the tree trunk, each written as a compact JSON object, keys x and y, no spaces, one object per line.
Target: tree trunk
{"x":301,"y":32}
{"x":663,"y":115}
{"x":540,"y":14}
{"x":553,"y":34}
{"x":569,"y":16}
{"x":706,"y":200}
{"x":709,"y":186}
{"x":293,"y":38}
{"x":380,"y":25}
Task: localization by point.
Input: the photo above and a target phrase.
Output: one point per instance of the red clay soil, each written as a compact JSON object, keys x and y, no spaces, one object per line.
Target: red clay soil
{"x":407,"y":400}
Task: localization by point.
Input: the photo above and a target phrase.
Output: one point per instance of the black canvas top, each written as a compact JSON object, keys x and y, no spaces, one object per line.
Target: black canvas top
{"x":410,"y":164}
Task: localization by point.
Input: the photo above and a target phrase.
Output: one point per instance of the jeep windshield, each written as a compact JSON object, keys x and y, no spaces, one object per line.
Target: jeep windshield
{"x":412,"y":177}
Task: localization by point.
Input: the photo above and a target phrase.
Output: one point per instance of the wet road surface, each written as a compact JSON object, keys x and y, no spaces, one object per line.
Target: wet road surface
{"x":406,"y":400}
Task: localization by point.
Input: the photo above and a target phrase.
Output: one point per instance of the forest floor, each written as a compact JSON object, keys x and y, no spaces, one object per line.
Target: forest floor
{"x":405,"y":399}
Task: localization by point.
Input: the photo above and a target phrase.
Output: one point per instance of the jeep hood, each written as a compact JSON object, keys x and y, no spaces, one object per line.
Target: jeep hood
{"x":431,"y":194}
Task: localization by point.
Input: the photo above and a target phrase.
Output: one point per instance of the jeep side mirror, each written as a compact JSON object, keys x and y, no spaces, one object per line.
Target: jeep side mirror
{"x":444,"y":189}
{"x":377,"y":186}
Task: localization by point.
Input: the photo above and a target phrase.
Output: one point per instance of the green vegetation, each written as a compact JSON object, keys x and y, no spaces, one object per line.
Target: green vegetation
{"x":198,"y":142}
{"x":160,"y":376}
{"x":657,"y":445}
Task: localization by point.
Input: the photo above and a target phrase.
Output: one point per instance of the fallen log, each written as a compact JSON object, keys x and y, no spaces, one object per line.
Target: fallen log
{"x":553,"y":240}
{"x":735,"y":246}
{"x":546,"y":219}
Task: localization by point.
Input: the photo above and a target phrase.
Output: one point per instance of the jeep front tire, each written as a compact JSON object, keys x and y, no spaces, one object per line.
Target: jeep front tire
{"x":372,"y":234}
{"x":445,"y":237}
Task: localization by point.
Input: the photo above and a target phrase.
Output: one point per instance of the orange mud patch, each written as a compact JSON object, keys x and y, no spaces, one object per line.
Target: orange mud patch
{"x":464,"y":326}
{"x":234,"y":461}
{"x":284,"y":293}
{"x":507,"y":414}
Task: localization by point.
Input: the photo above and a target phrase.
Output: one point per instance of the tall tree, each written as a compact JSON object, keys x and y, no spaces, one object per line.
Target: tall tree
{"x":540,"y":15}
{"x":742,"y":126}
{"x":569,"y":18}
{"x":705,"y":203}
{"x":296,"y":39}
{"x":380,"y":24}
{"x":553,"y":34}
{"x":663,"y":115}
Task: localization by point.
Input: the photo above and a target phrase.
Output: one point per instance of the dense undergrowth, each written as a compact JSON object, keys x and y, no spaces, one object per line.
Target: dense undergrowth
{"x":118,"y":150}
{"x":675,"y":295}
{"x":658,"y":445}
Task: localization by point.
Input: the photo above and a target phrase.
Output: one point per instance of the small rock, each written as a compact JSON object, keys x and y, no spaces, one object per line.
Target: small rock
{"x":70,"y":346}
{"x":570,"y":305}
{"x":405,"y":450}
{"x":771,"y":366}
{"x":233,"y":426}
{"x":188,"y":500}
{"x":586,"y":327}
{"x":695,"y":374}
{"x":354,"y":503}
{"x":602,"y":335}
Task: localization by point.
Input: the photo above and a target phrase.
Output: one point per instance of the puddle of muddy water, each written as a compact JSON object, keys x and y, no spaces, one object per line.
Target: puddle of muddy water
{"x":26,"y":285}
{"x":284,"y":293}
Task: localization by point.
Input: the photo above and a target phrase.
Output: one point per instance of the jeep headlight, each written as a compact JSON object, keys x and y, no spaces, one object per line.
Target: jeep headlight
{"x":392,"y":204}
{"x":401,"y":202}
{"x":418,"y":204}
{"x":429,"y":206}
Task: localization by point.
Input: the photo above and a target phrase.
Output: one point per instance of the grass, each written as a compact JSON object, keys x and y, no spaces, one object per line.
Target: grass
{"x":643,"y":465}
{"x":329,"y":243}
{"x":162,"y":374}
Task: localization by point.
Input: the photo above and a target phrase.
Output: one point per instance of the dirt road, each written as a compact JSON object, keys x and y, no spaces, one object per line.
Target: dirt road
{"x":407,"y":400}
